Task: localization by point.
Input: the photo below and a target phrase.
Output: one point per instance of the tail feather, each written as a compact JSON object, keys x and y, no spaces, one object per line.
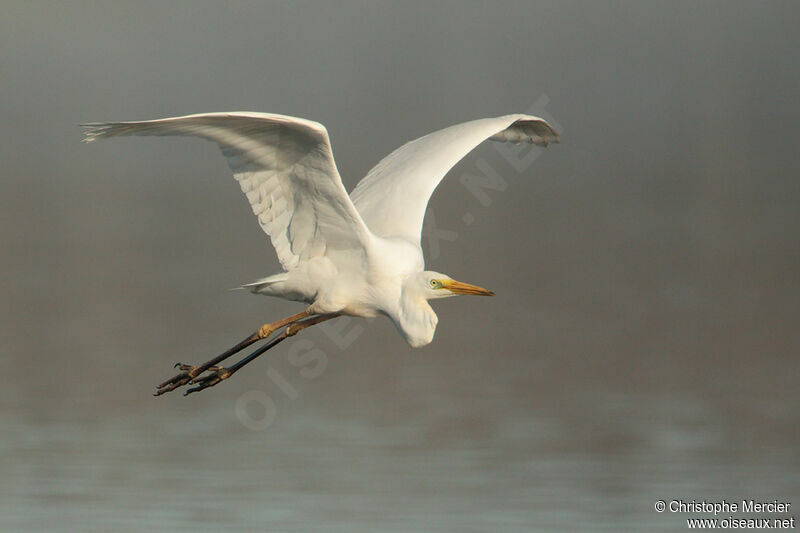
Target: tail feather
{"x":262,"y":284}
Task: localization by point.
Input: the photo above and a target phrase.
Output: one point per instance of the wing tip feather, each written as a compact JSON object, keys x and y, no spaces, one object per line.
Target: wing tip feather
{"x":528,"y":129}
{"x":96,"y":130}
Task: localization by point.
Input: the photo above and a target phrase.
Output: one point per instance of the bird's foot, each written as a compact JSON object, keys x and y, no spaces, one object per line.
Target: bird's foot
{"x":187,"y":374}
{"x":192,"y":375}
{"x":217,"y":374}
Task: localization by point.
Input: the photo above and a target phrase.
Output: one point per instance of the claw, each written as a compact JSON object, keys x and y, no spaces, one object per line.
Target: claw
{"x":202,"y":386}
{"x":188,"y":372}
{"x":174,"y":380}
{"x":172,"y":384}
{"x":194,"y":375}
{"x":191,"y":374}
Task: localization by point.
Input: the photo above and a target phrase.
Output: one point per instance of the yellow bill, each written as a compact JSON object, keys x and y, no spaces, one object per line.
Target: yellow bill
{"x":459,"y":287}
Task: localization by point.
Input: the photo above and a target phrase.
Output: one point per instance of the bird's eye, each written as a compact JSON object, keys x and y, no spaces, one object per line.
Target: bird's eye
{"x":433,"y":283}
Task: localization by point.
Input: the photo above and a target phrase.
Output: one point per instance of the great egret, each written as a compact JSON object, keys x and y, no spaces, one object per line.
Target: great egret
{"x":356,"y":255}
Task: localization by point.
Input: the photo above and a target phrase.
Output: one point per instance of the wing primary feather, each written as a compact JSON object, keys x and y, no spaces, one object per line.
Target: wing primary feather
{"x":393,"y":197}
{"x":285,"y":168}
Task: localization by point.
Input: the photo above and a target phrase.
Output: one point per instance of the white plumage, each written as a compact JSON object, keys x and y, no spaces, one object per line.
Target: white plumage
{"x":359,"y":254}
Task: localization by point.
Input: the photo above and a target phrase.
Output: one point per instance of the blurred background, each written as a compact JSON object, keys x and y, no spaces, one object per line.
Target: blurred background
{"x":643,"y":343}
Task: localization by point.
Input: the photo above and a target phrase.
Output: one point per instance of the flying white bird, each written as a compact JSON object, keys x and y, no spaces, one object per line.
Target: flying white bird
{"x":356,"y":255}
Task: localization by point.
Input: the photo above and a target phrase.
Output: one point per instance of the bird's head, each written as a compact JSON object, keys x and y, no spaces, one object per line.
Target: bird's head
{"x":415,"y":318}
{"x":437,"y":285}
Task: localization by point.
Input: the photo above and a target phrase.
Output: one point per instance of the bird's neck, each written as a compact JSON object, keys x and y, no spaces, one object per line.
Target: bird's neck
{"x":415,"y":319}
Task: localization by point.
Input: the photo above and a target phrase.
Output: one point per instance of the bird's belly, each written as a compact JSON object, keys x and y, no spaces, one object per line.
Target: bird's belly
{"x":364,"y":286}
{"x":362,"y":311}
{"x":354,"y":299}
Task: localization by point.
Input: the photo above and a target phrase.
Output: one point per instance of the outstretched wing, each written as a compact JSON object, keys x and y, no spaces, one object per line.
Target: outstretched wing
{"x":394,"y":195}
{"x":285,"y":167}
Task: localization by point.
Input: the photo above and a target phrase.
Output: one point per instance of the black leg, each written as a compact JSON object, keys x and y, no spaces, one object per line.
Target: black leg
{"x":190,"y":372}
{"x":222,"y":373}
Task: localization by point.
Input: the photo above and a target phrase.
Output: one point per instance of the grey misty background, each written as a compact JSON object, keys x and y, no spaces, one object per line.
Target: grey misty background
{"x":642,"y":346}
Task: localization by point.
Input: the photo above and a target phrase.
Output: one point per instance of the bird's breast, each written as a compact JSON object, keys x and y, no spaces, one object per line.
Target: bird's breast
{"x":370,"y":285}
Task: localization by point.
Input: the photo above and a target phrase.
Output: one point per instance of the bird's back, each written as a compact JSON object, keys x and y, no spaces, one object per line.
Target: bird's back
{"x":347,"y":281}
